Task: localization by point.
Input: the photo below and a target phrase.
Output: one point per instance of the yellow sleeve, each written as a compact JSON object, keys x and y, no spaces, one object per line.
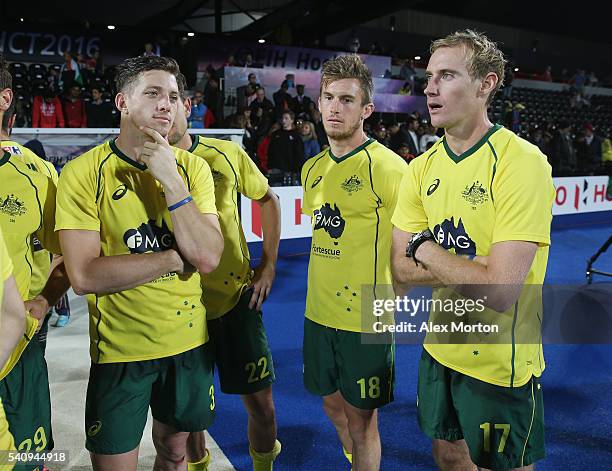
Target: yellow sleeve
{"x":202,"y":186}
{"x":523,"y":195}
{"x":76,"y":199}
{"x":5,"y":261}
{"x":52,"y":171}
{"x":252,"y":183}
{"x":409,"y":215}
{"x":389,"y":183}
{"x":46,"y":233}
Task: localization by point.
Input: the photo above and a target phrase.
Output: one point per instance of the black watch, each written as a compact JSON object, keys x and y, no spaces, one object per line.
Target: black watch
{"x":416,"y":241}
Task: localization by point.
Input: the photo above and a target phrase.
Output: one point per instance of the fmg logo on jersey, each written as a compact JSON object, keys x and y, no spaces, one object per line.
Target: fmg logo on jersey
{"x":330,"y":220}
{"x":148,"y":237}
{"x":450,"y":236}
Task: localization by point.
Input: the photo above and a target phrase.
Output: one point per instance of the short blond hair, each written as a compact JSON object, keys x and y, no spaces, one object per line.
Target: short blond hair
{"x":483,"y":55}
{"x":348,"y":67}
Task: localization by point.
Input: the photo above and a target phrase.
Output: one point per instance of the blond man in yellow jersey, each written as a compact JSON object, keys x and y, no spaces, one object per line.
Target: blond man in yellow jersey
{"x":350,"y":191}
{"x":234,"y":293}
{"x":136,"y":218}
{"x":474,"y":212}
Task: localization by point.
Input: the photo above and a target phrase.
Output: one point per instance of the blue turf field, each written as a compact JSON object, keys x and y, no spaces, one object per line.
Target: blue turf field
{"x":577,"y":384}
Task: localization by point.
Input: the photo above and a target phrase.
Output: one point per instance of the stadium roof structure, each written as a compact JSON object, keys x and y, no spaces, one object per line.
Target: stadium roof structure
{"x":307,"y":18}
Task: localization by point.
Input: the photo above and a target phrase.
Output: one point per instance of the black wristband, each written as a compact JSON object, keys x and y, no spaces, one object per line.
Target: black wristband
{"x":416,"y":241}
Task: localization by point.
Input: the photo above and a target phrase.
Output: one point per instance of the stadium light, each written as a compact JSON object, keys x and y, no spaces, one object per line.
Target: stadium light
{"x":190,"y":34}
{"x":516,"y":69}
{"x":21,"y":19}
{"x":417,"y":58}
{"x":111,"y":27}
{"x":261,"y":41}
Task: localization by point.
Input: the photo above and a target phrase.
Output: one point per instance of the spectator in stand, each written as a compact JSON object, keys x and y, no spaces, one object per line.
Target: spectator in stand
{"x":592,"y":80}
{"x":244,"y":92}
{"x":397,"y":136}
{"x":69,"y":73}
{"x":286,"y":151}
{"x":381,"y":134}
{"x":264,"y":146}
{"x":547,"y":75}
{"x":282,"y":100}
{"x":262,"y":113}
{"x":589,"y":148}
{"x":509,"y":78}
{"x":579,"y":80}
{"x":309,"y":138}
{"x":214,"y":98}
{"x":428,"y":138}
{"x":53,"y":80}
{"x":408,"y":72}
{"x":198,"y":111}
{"x":406,"y":89}
{"x":47,"y":111}
{"x":404,"y":152}
{"x":565,"y":77}
{"x":317,"y":119}
{"x":413,"y":143}
{"x":301,"y":103}
{"x":539,"y":140}
{"x":150,"y":51}
{"x":74,"y":108}
{"x":22,"y":115}
{"x":99,"y":111}
{"x":563,"y":155}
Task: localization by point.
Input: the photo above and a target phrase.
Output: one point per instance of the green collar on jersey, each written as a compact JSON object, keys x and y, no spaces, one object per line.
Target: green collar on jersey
{"x":351,"y":153}
{"x":5,"y":158}
{"x":125,"y":158}
{"x":195,"y":139}
{"x":458,"y":158}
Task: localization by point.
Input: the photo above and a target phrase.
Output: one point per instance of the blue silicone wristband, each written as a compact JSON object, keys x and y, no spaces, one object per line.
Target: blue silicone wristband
{"x":180,"y":203}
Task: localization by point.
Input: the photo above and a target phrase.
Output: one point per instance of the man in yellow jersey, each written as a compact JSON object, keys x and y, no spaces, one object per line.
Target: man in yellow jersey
{"x":41,"y":257}
{"x":135,"y":218}
{"x":27,"y":210}
{"x":12,"y":326}
{"x":233,"y":293}
{"x":350,"y":191}
{"x":474,"y":212}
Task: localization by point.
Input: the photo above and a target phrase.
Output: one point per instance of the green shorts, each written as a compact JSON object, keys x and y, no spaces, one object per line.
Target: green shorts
{"x":503,"y":427}
{"x":179,"y":390}
{"x":339,"y":360}
{"x":242,"y":354}
{"x":25,"y":395}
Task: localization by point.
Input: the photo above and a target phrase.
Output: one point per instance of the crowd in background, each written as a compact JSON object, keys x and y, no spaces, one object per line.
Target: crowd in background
{"x":283,"y":128}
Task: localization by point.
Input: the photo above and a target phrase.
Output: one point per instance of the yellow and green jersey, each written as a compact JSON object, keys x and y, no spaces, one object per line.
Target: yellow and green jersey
{"x":27,"y":210}
{"x":41,"y":257}
{"x":351,"y":200}
{"x":233,"y":172}
{"x":6,"y":269}
{"x":499,"y":190}
{"x":105,"y":191}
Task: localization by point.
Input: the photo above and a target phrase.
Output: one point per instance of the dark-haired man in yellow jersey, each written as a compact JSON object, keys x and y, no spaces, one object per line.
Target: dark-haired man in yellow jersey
{"x":234,"y":293}
{"x":136,"y":216}
{"x":350,"y":191}
{"x":474,"y":212}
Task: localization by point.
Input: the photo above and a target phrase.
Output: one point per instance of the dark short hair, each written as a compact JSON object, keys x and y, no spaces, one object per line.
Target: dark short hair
{"x":96,"y":87}
{"x":6,"y":79}
{"x":130,"y":69}
{"x":290,"y":113}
